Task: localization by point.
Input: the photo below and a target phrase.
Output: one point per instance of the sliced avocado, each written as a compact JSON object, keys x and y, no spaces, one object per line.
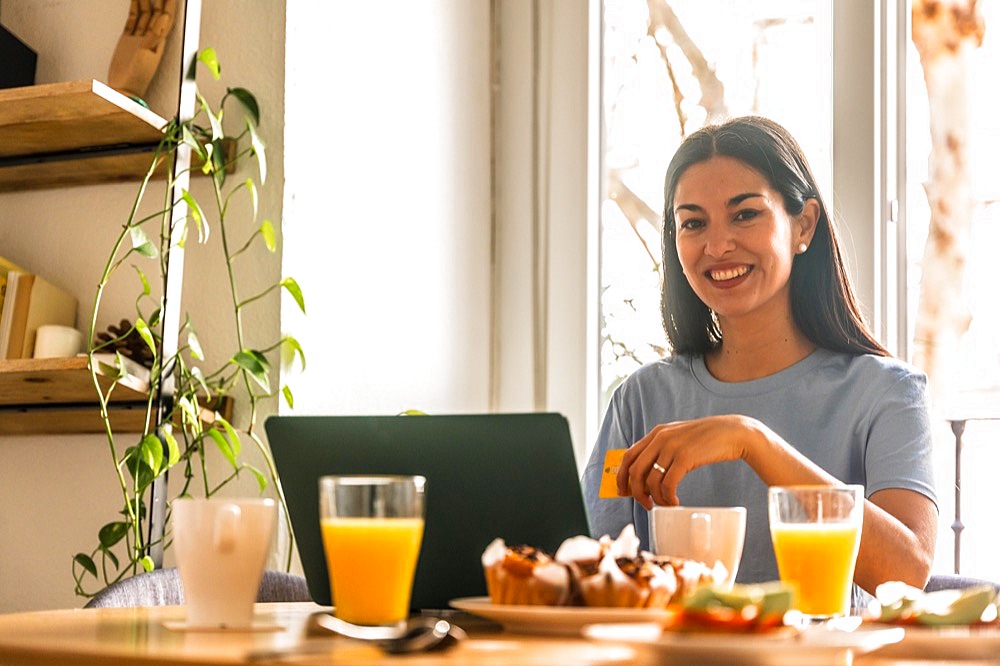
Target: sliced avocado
{"x":768,"y":598}
{"x":967,"y":608}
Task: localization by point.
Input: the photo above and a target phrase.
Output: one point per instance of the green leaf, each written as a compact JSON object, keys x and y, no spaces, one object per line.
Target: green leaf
{"x":173,"y":450}
{"x":261,"y":479}
{"x":252,"y":189}
{"x":195,"y":345}
{"x":111,"y":556}
{"x":412,"y":412}
{"x":219,"y":158}
{"x":292,"y":287}
{"x":146,"y":334}
{"x":112,"y":533}
{"x":147,"y":563}
{"x":118,"y":370}
{"x":256,"y":364}
{"x":209,"y":58}
{"x":224,"y":447}
{"x":257,"y":146}
{"x":247,"y":101}
{"x":86,"y":562}
{"x":142,"y":475}
{"x":215,"y":121}
{"x":198,"y":376}
{"x":267,"y":232}
{"x":146,"y":290}
{"x":196,"y":146}
{"x":151,"y":450}
{"x":141,"y":242}
{"x":189,"y":410}
{"x":290,"y":348}
{"x":231,"y":435}
{"x":289,"y":398}
{"x":197,"y":215}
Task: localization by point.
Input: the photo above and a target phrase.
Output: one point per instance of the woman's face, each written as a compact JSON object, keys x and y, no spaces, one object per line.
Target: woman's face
{"x":734,"y":239}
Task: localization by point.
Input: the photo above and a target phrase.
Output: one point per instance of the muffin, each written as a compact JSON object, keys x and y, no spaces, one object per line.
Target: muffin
{"x":524,"y":575}
{"x":615,"y":573}
{"x":629,"y":582}
{"x":691,"y":574}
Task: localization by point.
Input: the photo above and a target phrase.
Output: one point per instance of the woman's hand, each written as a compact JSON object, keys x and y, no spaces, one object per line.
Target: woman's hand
{"x":654,"y":466}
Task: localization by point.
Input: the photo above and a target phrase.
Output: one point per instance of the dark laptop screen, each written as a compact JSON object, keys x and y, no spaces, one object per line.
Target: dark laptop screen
{"x":488,"y":475}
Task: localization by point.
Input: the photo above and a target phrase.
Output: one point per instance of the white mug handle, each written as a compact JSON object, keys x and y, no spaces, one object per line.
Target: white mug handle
{"x":701,"y":535}
{"x":227,"y":522}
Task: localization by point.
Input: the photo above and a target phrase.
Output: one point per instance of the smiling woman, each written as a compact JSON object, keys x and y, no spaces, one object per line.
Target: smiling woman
{"x":774,"y":378}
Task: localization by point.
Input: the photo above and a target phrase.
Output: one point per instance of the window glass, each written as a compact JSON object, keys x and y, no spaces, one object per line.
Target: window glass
{"x":667,"y":69}
{"x":956,"y":91}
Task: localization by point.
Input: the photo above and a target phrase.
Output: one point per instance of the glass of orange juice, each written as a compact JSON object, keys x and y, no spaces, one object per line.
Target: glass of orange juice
{"x":816,"y":531}
{"x":372,"y":527}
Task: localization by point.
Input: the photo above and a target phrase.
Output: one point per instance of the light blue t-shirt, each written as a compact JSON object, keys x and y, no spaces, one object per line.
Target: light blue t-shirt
{"x":864,"y":419}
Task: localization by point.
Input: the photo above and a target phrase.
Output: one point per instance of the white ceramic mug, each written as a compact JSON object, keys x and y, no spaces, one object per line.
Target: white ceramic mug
{"x":221,"y":547}
{"x":705,"y":534}
{"x":54,"y":341}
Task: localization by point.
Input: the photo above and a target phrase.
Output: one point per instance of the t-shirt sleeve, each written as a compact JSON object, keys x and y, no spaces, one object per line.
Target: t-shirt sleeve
{"x":899,"y":451}
{"x":606,"y":516}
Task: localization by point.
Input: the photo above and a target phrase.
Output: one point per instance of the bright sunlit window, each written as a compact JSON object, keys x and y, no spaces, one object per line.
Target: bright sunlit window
{"x":668,"y":67}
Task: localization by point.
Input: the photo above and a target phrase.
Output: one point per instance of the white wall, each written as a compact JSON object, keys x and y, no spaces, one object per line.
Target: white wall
{"x":55,"y":492}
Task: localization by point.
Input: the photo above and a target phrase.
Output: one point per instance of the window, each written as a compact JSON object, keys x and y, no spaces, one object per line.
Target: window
{"x":668,"y":67}
{"x":827,"y":71}
{"x":956,"y":165}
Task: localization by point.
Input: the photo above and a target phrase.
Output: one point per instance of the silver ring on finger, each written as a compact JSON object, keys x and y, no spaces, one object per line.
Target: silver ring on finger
{"x":659,"y":468}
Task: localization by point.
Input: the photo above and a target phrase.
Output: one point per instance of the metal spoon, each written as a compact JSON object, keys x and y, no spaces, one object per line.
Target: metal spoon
{"x":415,"y":635}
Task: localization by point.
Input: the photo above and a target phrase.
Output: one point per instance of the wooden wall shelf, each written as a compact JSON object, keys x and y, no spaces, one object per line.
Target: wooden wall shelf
{"x":57,"y":396}
{"x":73,"y":133}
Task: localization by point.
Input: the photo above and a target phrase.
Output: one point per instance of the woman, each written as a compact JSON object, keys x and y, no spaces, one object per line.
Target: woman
{"x":774,"y":378}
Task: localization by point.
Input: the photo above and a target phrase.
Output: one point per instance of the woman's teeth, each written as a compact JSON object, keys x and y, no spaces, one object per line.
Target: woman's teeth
{"x":729,"y":273}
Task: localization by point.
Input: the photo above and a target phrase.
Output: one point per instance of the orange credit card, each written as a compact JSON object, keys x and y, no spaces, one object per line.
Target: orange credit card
{"x":609,"y":476}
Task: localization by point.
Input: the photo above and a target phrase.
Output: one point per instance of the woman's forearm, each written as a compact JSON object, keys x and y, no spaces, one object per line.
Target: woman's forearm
{"x":897,"y":538}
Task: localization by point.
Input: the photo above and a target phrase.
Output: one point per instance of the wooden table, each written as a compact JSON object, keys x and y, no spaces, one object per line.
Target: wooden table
{"x":138,"y":636}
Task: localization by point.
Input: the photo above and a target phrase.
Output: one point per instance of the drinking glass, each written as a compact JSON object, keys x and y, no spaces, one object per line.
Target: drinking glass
{"x":372,"y":527}
{"x":816,"y":531}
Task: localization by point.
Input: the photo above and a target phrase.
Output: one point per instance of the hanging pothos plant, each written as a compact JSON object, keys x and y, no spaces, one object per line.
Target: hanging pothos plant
{"x":184,"y":431}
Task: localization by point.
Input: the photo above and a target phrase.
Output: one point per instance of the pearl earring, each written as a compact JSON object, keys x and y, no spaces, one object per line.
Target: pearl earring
{"x":803,"y":247}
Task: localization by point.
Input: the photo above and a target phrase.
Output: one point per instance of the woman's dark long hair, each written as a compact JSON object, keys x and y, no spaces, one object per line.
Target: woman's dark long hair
{"x":823,"y":303}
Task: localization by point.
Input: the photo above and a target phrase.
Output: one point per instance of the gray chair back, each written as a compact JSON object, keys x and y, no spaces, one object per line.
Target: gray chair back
{"x":956,"y":582}
{"x":163,"y":587}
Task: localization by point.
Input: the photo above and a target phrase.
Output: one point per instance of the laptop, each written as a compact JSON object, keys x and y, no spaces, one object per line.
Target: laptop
{"x":512,"y":476}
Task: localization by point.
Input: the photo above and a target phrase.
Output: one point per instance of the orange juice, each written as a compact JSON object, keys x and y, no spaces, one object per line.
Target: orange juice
{"x":818,"y":559}
{"x":371,"y":562}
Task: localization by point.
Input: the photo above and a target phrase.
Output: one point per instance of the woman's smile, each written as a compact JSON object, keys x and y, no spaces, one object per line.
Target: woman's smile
{"x":728,"y":275}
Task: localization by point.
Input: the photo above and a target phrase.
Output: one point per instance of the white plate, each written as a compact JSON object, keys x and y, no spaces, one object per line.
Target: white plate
{"x":797,"y":648}
{"x":947,"y":643}
{"x":564,"y":620}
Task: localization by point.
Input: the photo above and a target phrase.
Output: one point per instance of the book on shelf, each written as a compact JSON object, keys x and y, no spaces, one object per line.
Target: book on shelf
{"x":6,"y":266}
{"x":31,"y":301}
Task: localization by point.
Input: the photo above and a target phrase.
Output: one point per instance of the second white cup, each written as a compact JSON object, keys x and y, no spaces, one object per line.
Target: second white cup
{"x":221,"y":546}
{"x":704,"y":534}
